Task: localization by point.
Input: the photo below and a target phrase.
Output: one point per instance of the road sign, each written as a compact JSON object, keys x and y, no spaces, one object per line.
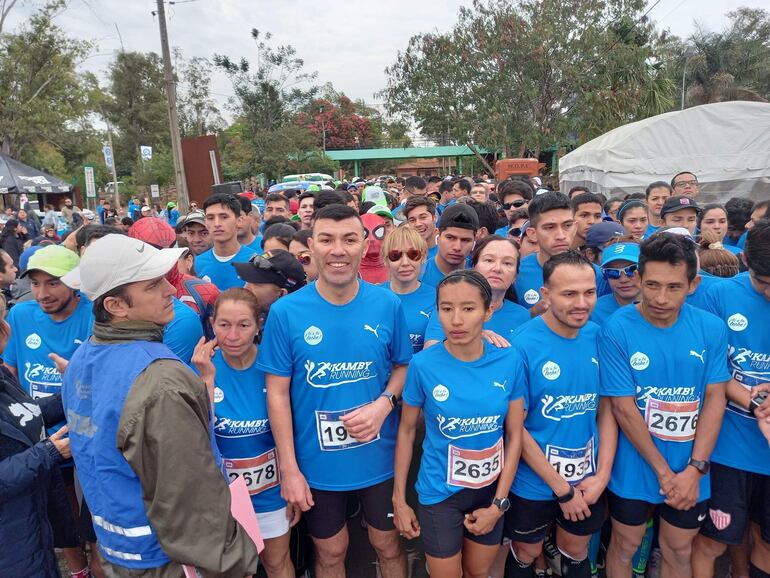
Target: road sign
{"x":146,"y":153}
{"x":107,"y":156}
{"x":90,"y":182}
{"x":154,"y":191}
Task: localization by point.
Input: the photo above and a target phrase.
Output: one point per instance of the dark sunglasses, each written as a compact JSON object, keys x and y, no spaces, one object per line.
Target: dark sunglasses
{"x":615,"y":273}
{"x":378,"y":232}
{"x":514,"y":204}
{"x":411,"y":254}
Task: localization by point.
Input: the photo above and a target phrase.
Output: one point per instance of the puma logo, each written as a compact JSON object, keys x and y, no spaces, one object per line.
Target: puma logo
{"x":426,"y":314}
{"x":593,"y":360}
{"x":25,"y":412}
{"x":699,"y":355}
{"x":500,"y":385}
{"x":372,"y":329}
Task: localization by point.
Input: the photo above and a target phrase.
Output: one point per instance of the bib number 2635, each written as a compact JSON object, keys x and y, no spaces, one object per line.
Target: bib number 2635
{"x":474,"y":468}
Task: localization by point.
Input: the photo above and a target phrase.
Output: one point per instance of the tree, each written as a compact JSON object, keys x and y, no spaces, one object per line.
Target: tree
{"x":733,"y":64}
{"x":524,"y":76}
{"x":137,"y":108}
{"x":40,"y":88}
{"x":198,"y":112}
{"x":335,"y":125}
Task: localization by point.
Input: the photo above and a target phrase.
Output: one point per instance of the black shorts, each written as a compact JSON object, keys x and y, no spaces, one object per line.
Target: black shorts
{"x":83,"y":522}
{"x":441,"y":525}
{"x":327,"y":517}
{"x":737,"y":497}
{"x":528,"y":521}
{"x":637,"y":512}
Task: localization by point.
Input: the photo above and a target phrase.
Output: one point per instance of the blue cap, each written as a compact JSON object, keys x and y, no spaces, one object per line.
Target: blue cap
{"x":621,"y":252}
{"x":601,"y":232}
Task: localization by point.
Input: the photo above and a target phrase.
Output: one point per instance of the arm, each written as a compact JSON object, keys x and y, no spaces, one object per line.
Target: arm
{"x":20,"y":471}
{"x":593,"y":486}
{"x":294,"y":488}
{"x":686,"y":483}
{"x":364,"y":423}
{"x":483,"y":520}
{"x":12,"y":369}
{"x":52,"y":409}
{"x":631,"y":422}
{"x":405,"y":518}
{"x":164,"y":435}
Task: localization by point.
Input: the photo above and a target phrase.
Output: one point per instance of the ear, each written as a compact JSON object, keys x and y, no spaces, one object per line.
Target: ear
{"x":694,"y":284}
{"x":116,"y":307}
{"x":545,"y":294}
{"x":481,"y":233}
{"x":532,"y":234}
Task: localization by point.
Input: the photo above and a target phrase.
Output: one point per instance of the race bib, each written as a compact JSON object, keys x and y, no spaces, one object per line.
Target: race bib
{"x":673,"y":421}
{"x":572,"y":464}
{"x":474,"y":468}
{"x":332,"y":434}
{"x":259,"y":473}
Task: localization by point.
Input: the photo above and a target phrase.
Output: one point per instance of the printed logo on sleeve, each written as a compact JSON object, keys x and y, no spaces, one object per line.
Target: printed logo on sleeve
{"x":33,"y":341}
{"x":737,"y":322}
{"x":313,"y":335}
{"x":639,"y":361}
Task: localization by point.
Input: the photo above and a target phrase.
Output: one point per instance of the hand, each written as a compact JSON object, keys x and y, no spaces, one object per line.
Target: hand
{"x":538,"y":308}
{"x":405,"y":520}
{"x":62,"y":443}
{"x":364,"y":423}
{"x":483,"y":520}
{"x":764,"y":427}
{"x":592,"y":488}
{"x":762,"y":413}
{"x":293,"y":514}
{"x":201,"y":359}
{"x":495,"y":339}
{"x":684,"y":489}
{"x":296,"y":492}
{"x":666,"y":481}
{"x":576,"y":509}
{"x":71,"y":241}
{"x":59,"y":361}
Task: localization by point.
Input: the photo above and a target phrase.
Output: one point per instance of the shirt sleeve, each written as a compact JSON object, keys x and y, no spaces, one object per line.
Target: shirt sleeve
{"x":718,"y":360}
{"x":275,"y":350}
{"x":401,"y":348}
{"x":164,"y":435}
{"x":183,"y":334}
{"x":434,"y":331}
{"x":11,"y":353}
{"x":615,"y":379}
{"x":413,"y":393}
{"x":520,"y":377}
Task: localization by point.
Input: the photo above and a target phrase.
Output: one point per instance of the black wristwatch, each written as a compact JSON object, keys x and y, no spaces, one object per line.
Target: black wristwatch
{"x":701,"y":465}
{"x":502,"y":503}
{"x":391,"y":398}
{"x":566,"y":497}
{"x":756,"y":401}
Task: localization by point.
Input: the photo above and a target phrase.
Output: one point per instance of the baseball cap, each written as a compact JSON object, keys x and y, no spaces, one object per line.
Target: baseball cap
{"x":381,"y":211}
{"x":375,"y":195}
{"x":56,"y":260}
{"x":681,"y":231}
{"x":621,"y":252}
{"x":195,"y":217}
{"x":278,"y":267}
{"x":154,"y":231}
{"x":601,"y":232}
{"x":146,"y":209}
{"x":678,"y":203}
{"x":116,"y":260}
{"x":461,"y":216}
{"x":171,"y":205}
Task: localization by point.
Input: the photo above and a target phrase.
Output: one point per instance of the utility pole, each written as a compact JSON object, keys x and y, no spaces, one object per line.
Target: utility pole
{"x":176,"y":144}
{"x":114,"y":170}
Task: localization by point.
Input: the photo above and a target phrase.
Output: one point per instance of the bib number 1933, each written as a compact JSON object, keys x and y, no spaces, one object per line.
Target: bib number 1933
{"x":260,"y":473}
{"x":474,"y":468}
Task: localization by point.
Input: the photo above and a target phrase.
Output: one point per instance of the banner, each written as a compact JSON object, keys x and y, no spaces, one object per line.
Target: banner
{"x":107,"y":156}
{"x":90,"y":182}
{"x":154,"y":191}
{"x":146,"y":153}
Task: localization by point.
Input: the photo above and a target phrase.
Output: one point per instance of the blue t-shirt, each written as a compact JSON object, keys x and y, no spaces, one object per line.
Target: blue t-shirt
{"x":242,"y":432}
{"x":256,"y":245}
{"x":183,"y":333}
{"x":418,"y":308}
{"x":34,"y":335}
{"x":503,"y":231}
{"x":339,"y":358}
{"x":741,"y":244}
{"x":667,"y":371}
{"x":504,"y":322}
{"x":530,"y":281}
{"x":431,"y":274}
{"x":733,"y":249}
{"x":650,"y":230}
{"x":741,"y":444}
{"x":560,"y":379}
{"x":606,"y":305}
{"x":465,"y":404}
{"x":432,"y":251}
{"x":221,"y":273}
{"x":173,"y":217}
{"x":698,"y":298}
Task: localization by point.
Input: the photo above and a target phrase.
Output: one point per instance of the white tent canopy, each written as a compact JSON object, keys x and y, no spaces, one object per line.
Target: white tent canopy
{"x":727,"y":145}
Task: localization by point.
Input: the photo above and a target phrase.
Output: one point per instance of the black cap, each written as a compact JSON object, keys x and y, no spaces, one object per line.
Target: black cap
{"x":460,"y":216}
{"x":277,"y":267}
{"x":678,"y":203}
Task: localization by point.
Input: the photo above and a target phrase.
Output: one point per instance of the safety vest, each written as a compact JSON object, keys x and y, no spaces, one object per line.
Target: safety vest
{"x":94,"y":390}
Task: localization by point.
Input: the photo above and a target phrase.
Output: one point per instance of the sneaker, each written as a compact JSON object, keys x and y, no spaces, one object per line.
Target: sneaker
{"x":552,"y":555}
{"x":654,"y":563}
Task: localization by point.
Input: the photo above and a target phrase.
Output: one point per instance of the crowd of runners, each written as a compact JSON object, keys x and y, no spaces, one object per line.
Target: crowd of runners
{"x":514,"y":381}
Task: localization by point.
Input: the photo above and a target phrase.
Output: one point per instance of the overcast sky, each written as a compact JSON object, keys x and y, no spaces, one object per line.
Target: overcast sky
{"x":348,"y":43}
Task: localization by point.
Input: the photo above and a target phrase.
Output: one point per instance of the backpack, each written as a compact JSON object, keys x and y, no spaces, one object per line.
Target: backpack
{"x":206,"y":309}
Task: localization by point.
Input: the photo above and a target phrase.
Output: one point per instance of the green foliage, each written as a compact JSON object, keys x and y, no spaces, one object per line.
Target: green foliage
{"x":197,"y":111}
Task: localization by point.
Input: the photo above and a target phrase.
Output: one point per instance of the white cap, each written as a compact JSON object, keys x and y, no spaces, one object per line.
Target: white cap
{"x":116,"y":260}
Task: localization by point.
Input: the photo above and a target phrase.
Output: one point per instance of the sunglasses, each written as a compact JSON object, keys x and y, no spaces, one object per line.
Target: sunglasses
{"x":514,"y":204}
{"x":304,"y":258}
{"x":411,"y":254}
{"x":615,"y":273}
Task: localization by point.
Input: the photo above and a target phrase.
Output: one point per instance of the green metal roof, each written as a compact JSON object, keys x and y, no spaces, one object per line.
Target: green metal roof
{"x":407,"y":153}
